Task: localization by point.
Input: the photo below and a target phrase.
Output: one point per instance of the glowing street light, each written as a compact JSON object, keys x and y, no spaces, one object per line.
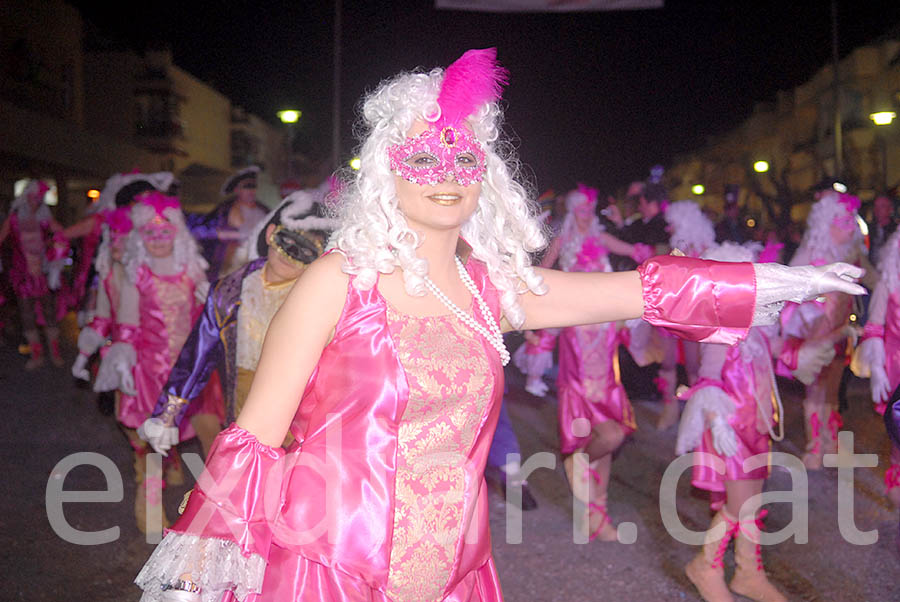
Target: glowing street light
{"x":355,"y":163}
{"x":93,"y":194}
{"x":289,"y":116}
{"x":883,"y":117}
{"x":698,"y":188}
{"x":761,"y":166}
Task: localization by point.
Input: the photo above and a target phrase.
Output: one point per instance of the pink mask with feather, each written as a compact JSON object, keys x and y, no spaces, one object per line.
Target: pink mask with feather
{"x":447,"y":151}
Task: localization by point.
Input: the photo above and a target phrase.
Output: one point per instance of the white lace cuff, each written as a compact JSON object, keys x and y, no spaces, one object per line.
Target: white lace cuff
{"x":707,"y":400}
{"x":89,"y":341}
{"x":216,"y":565}
{"x":108,"y":376}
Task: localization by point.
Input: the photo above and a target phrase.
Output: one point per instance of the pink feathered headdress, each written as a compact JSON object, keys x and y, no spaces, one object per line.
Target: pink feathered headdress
{"x":851,"y":203}
{"x":472,"y":80}
{"x":119,"y":220}
{"x":159,"y":201}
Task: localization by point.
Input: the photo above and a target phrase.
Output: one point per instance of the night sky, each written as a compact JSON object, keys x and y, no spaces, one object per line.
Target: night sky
{"x":597,"y":97}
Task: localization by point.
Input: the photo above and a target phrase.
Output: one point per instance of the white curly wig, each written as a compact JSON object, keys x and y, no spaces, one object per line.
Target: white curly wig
{"x":889,"y":264}
{"x":691,"y":231}
{"x":570,"y":237}
{"x":187,"y":252}
{"x":373,"y":233}
{"x":817,"y":245}
{"x":732,"y":251}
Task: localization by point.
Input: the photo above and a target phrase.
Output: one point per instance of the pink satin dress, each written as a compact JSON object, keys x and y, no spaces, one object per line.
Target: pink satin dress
{"x":746,"y":378}
{"x":589,"y":386}
{"x":381,"y":498}
{"x":168,"y":310}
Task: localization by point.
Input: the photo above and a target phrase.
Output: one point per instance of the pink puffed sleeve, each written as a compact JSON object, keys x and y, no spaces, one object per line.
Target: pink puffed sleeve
{"x":222,"y":538}
{"x":698,"y":299}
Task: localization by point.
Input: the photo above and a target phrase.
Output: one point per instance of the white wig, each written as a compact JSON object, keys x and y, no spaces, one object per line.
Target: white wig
{"x":187,"y":252}
{"x":375,"y":236}
{"x":732,"y":251}
{"x":889,"y":263}
{"x":570,"y":237}
{"x":21,"y":207}
{"x":691,"y":231}
{"x":817,"y":244}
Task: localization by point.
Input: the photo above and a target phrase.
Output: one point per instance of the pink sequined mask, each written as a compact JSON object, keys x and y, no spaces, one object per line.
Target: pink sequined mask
{"x":440,"y":155}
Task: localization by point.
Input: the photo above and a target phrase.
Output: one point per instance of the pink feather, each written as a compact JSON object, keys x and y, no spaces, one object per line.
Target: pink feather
{"x":472,"y":80}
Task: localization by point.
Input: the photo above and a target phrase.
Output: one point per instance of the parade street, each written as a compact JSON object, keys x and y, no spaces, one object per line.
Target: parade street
{"x":49,"y":417}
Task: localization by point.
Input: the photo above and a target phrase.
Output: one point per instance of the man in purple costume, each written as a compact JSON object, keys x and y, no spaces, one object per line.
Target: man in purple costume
{"x":221,"y":231}
{"x":230,"y":332}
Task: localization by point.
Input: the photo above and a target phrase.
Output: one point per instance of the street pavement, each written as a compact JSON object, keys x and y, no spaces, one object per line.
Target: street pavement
{"x":48,"y":417}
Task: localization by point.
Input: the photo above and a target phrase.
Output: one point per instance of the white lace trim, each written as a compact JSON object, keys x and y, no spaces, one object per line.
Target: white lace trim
{"x":108,"y":376}
{"x":216,"y":565}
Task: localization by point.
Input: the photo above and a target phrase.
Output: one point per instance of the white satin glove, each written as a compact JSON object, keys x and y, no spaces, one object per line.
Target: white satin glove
{"x":812,"y":357}
{"x":79,"y":368}
{"x":723,"y":436}
{"x":160,"y":436}
{"x":777,"y":284}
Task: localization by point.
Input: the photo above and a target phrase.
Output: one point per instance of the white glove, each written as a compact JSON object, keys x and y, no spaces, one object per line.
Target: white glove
{"x":54,"y":275}
{"x":160,"y":437}
{"x":812,"y":357}
{"x":89,"y":341}
{"x":776,"y":284}
{"x":723,"y":436}
{"x":116,"y":369}
{"x":79,"y":368}
{"x":126,"y":378}
{"x":706,"y":401}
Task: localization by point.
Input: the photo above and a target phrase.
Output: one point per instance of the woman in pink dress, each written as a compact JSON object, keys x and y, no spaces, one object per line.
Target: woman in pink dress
{"x":879,"y":349}
{"x":822,"y":325}
{"x":385,"y":362}
{"x":160,"y":294}
{"x":594,"y":413}
{"x":730,"y":417}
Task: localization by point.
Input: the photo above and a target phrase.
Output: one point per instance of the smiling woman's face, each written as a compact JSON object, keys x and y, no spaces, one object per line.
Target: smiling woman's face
{"x":443,"y":204}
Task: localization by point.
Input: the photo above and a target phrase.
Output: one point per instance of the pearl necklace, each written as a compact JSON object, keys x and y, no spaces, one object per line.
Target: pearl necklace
{"x":492,"y":332}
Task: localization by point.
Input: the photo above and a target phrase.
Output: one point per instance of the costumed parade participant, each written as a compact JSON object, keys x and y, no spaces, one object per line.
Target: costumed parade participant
{"x":879,"y":349}
{"x":222,"y":231}
{"x":691,"y":233}
{"x":119,"y":191}
{"x":832,"y":234}
{"x":38,"y":248}
{"x":159,"y":298}
{"x":594,"y":412}
{"x":385,"y":362}
{"x":732,"y":415}
{"x":110,"y":273}
{"x":230,"y":331}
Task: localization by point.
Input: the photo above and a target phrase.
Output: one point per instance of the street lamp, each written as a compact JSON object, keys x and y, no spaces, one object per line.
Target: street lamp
{"x":355,"y":163}
{"x":761,"y":166}
{"x":882,"y":119}
{"x":289,"y":115}
{"x":698,"y":189}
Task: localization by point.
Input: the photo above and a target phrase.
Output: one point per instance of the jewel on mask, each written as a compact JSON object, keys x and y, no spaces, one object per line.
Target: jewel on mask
{"x":448,"y":136}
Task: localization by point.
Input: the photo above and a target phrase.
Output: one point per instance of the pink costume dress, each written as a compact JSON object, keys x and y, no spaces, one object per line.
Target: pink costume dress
{"x":535,"y":359}
{"x":167,"y":313}
{"x":588,"y":385}
{"x":809,"y":322}
{"x":382,"y":496}
{"x":744,"y":372}
{"x":884,"y":323}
